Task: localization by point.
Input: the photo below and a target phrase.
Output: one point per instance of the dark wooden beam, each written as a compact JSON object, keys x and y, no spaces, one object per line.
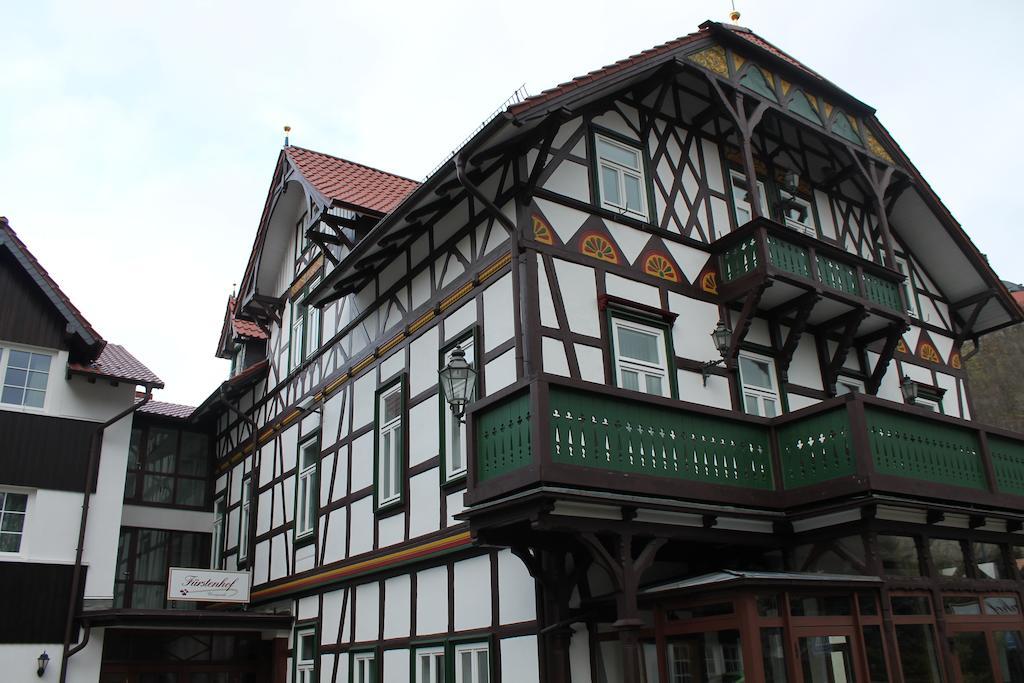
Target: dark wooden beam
{"x":806,"y":303}
{"x":746,"y":318}
{"x":851,"y":322}
{"x":884,"y":358}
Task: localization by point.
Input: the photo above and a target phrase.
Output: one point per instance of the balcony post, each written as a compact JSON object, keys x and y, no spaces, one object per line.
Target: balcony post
{"x":986,"y":462}
{"x":857,"y":416}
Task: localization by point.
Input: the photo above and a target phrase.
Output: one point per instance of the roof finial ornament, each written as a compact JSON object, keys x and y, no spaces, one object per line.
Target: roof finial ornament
{"x":734,"y":16}
{"x":287,"y":129}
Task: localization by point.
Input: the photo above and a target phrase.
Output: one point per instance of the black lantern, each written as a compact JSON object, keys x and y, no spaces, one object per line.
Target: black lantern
{"x":909,"y":389}
{"x":458,"y":382}
{"x":722,"y":338}
{"x":41,"y":662}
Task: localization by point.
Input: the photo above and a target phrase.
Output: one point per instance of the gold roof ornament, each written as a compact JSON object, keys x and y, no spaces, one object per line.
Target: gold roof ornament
{"x":734,"y":16}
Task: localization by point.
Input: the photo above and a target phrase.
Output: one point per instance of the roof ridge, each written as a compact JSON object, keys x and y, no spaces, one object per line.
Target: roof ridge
{"x":354,"y":163}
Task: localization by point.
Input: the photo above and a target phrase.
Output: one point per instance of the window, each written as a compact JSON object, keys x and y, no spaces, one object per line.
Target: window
{"x":168,"y":466}
{"x":143,"y":558}
{"x":364,"y":668}
{"x":757,"y":376}
{"x":621,"y":177}
{"x":948,"y":558}
{"x":471,"y":663}
{"x":453,"y":437}
{"x":306,"y":489}
{"x":908,"y":286}
{"x":988,"y":561}
{"x":246,"y":516}
{"x":899,"y":556}
{"x":800,"y":217}
{"x":641,"y":362}
{"x":298,"y":336}
{"x":305,"y":656}
{"x":217,"y":557}
{"x":847,"y":385}
{"x":13,"y":508}
{"x":430,"y":665}
{"x":390,"y":412}
{"x":25,"y":378}
{"x":305,"y":335}
{"x":741,"y":198}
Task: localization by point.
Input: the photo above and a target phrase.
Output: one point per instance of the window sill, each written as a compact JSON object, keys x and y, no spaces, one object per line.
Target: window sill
{"x":306,"y":539}
{"x":389,"y":508}
{"x":455,"y":481}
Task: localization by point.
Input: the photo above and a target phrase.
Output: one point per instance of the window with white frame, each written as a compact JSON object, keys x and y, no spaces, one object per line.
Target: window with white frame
{"x":430,"y":665}
{"x":305,"y":656}
{"x":243,"y":524}
{"x":741,"y":198}
{"x":471,"y":663}
{"x":620,"y":172}
{"x":454,"y":436}
{"x":800,"y":217}
{"x":217,"y":555}
{"x":306,"y":493}
{"x":930,"y":404}
{"x":312,"y":324}
{"x":389,"y":444}
{"x":13,"y":508}
{"x":908,"y":286}
{"x":25,"y":376}
{"x":297,"y":337}
{"x":760,"y":390}
{"x":364,"y":667}
{"x":641,"y":360}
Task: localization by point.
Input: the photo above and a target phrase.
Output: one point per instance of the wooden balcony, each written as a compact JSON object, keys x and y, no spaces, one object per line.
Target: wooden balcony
{"x":560,"y":434}
{"x":785,"y":271}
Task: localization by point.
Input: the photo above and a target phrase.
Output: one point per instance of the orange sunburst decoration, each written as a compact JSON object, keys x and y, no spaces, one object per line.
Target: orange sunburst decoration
{"x":660,"y":266}
{"x":927,"y":352}
{"x":901,"y":346}
{"x":709,"y":282}
{"x":954,"y":361}
{"x":600,"y":247}
{"x":542,"y":231}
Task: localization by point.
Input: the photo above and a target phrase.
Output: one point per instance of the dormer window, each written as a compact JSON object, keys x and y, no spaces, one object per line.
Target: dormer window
{"x":620,"y":173}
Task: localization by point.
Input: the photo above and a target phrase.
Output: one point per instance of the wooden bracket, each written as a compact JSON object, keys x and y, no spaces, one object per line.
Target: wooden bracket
{"x":849,"y":322}
{"x":745,"y":320}
{"x":804,"y":305}
{"x":884,"y":358}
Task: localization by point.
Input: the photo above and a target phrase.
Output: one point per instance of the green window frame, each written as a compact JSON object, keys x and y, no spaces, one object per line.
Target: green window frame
{"x":429,"y":663}
{"x":307,"y":491}
{"x":390,"y":438}
{"x":362,"y":666}
{"x":219,"y":531}
{"x":306,"y":328}
{"x":619,"y":164}
{"x":244,"y":518}
{"x":460,"y":660}
{"x":451,"y":431}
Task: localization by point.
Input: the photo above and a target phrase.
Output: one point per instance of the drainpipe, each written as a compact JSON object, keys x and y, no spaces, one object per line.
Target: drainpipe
{"x":95,"y":446}
{"x":522,"y":349}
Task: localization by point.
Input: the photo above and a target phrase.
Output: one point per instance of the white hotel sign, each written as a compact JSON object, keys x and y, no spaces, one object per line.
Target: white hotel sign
{"x":207,"y":585}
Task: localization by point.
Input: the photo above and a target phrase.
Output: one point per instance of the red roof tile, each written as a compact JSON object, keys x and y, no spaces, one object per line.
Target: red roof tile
{"x":116,"y":363}
{"x":760,"y":42}
{"x":356,"y":185}
{"x":244,"y":328}
{"x":162,"y":409}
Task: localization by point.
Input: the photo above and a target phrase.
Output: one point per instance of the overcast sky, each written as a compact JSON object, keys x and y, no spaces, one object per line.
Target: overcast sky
{"x":138,"y":139}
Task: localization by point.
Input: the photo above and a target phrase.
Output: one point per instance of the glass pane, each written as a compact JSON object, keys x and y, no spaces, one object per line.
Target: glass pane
{"x":988,"y":561}
{"x":971,"y":652}
{"x":867,"y":604}
{"x":161,"y":450}
{"x":712,"y":657}
{"x":907,"y":605}
{"x":826,"y":659}
{"x":191,"y":492}
{"x":770,"y":409}
{"x":309,"y":452}
{"x":34,"y":399}
{"x":148,"y":596}
{"x":467,"y":667}
{"x":392,"y":406}
{"x":753,"y":406}
{"x":768,"y":605}
{"x":654,"y":385}
{"x":630,"y":380}
{"x":948,"y":558}
{"x":151,"y":556}
{"x":14,"y":502}
{"x":13,"y":395}
{"x":876,"y":654}
{"x":482,"y":671}
{"x":756,"y":373}
{"x":194,"y":454}
{"x":773,"y":655}
{"x":1001,"y":604}
{"x":10,"y":543}
{"x":899,"y":556}
{"x":618,"y":154}
{"x":610,"y":186}
{"x":961,"y":604}
{"x":36,"y":380}
{"x":639,"y":345}
{"x":918,"y":658}
{"x":1010,"y":655}
{"x":820,"y":606}
{"x":18,"y":359}
{"x":157,"y":489}
{"x":12,"y":522}
{"x":40,"y":362}
{"x":633,"y":201}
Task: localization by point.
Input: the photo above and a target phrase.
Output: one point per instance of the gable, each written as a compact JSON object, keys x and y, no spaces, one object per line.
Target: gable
{"x":26,"y":315}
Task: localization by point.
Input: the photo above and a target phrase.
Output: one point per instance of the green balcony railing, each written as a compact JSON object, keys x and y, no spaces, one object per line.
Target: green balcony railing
{"x":739,"y":260}
{"x":503,"y":437}
{"x":1008,"y":464}
{"x":789,"y":257}
{"x":836,"y":275}
{"x":592,"y":430}
{"x":882,"y":292}
{"x":816,"y":449}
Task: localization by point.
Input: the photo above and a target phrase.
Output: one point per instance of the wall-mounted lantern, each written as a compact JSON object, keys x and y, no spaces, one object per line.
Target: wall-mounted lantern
{"x":722,"y":338}
{"x":458,"y":382}
{"x":41,"y":662}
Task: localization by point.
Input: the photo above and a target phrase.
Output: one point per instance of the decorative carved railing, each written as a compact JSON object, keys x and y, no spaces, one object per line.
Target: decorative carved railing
{"x":592,"y":437}
{"x":739,"y":260}
{"x":593,"y":430}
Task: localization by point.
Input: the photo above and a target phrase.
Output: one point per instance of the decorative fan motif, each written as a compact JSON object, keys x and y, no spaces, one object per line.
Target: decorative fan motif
{"x":954,"y":360}
{"x":660,"y":266}
{"x":542,"y":231}
{"x":599,"y":247}
{"x":709,"y":282}
{"x":901,"y":346}
{"x":927,"y":352}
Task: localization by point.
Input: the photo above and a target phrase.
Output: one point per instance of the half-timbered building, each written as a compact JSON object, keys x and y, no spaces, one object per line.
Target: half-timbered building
{"x":721,"y":430}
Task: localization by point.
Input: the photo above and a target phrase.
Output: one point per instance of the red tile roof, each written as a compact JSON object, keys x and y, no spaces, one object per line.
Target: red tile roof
{"x":605,"y":71}
{"x":1018,"y":297}
{"x":116,"y":363}
{"x":162,"y":409}
{"x":349,"y":183}
{"x":244,"y":328}
{"x":760,"y":42}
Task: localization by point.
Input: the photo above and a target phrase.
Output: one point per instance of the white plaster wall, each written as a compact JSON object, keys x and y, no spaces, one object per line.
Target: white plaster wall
{"x":519,"y":659}
{"x":397,"y":601}
{"x":501,"y":371}
{"x":165,"y":518}
{"x":432,"y":601}
{"x":579,"y":291}
{"x":473,"y":593}
{"x":499,"y":321}
{"x":516,"y":597}
{"x":367,"y":611}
